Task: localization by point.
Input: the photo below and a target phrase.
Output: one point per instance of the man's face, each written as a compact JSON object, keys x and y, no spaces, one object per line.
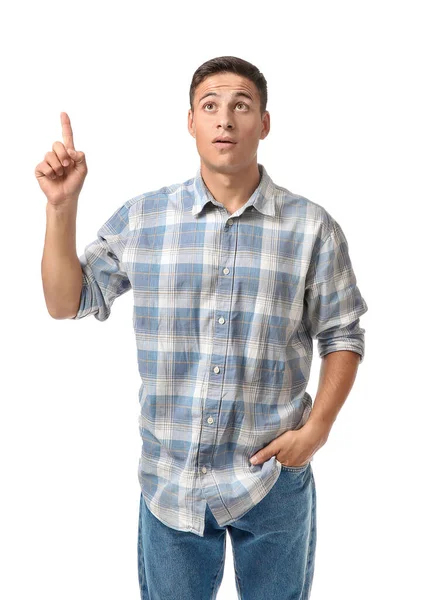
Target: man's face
{"x":227,"y":114}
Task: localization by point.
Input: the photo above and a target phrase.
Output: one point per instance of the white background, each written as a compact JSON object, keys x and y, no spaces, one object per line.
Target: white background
{"x":355,"y":126}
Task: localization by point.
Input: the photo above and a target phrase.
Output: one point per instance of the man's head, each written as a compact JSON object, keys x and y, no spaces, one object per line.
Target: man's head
{"x":228,"y":98}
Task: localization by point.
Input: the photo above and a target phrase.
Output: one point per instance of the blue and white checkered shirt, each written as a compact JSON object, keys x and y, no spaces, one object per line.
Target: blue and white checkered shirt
{"x":226,"y":307}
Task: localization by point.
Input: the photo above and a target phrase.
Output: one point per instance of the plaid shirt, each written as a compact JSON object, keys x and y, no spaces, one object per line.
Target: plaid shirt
{"x":226,"y":307}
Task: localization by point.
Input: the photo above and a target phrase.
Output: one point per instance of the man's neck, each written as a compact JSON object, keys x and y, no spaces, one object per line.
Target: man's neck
{"x":232,"y":190}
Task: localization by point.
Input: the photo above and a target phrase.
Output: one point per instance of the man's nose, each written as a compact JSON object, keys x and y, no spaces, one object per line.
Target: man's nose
{"x":226,"y":118}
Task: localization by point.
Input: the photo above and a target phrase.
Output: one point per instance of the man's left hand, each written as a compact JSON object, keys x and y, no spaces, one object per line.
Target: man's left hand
{"x":296,"y":447}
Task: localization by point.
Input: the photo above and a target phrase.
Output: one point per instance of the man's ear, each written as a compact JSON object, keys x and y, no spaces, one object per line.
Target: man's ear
{"x":191,"y":123}
{"x":266,"y":125}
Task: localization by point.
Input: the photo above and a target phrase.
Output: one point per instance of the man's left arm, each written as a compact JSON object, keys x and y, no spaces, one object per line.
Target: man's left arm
{"x":296,"y":447}
{"x":337,"y":375}
{"x":333,"y":306}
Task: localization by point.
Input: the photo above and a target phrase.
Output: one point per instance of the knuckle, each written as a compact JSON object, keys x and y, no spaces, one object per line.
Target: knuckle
{"x":58,"y":148}
{"x":59,"y":151}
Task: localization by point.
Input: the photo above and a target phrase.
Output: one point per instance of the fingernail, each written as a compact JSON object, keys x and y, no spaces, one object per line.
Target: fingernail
{"x":253,"y":460}
{"x":65,"y":163}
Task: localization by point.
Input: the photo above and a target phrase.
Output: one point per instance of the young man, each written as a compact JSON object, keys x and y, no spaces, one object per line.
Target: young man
{"x":232,"y":277}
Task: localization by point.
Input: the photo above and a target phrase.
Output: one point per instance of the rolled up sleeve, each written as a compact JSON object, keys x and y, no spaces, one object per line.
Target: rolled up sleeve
{"x":104,"y":278}
{"x":333,"y":303}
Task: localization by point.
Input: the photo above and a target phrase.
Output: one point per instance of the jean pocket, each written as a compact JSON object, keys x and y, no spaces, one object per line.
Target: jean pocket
{"x":295,"y":469}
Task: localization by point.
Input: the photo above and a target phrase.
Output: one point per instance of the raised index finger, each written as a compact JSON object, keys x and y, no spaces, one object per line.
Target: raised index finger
{"x":67,"y":131}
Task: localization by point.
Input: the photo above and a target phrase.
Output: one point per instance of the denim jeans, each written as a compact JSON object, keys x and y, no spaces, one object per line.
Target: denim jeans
{"x":273,"y":548}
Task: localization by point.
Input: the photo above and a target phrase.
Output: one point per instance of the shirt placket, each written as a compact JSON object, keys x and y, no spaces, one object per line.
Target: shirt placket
{"x":222,"y":311}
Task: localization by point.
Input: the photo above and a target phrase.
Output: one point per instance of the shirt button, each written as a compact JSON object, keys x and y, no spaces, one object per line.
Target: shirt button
{"x":221,"y":320}
{"x":204,"y":469}
{"x":216,"y":369}
{"x":230,"y":222}
{"x":226,"y":271}
{"x":210,"y":420}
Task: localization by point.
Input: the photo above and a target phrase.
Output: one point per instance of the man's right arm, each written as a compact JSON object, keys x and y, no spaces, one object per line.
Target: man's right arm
{"x":61,"y":176}
{"x":77,"y":287}
{"x":61,"y":270}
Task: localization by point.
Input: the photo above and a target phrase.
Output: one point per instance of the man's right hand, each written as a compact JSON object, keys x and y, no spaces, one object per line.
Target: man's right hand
{"x":62,"y":183}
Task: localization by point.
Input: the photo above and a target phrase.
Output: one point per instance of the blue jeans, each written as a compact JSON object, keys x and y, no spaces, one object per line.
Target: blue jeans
{"x":273,"y":548}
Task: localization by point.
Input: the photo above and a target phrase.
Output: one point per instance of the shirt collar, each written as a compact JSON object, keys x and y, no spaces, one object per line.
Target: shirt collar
{"x":263,"y":197}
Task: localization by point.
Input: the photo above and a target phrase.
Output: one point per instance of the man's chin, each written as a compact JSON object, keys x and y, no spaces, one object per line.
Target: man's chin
{"x":221,"y":166}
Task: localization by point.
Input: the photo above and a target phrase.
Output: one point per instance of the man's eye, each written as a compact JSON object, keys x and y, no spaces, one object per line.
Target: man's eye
{"x":211,"y":104}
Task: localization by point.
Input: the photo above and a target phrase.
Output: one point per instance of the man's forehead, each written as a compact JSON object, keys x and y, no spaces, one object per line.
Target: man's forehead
{"x":227,"y":87}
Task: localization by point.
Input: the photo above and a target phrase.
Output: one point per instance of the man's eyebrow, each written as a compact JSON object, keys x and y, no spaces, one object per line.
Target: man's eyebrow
{"x":235,"y":95}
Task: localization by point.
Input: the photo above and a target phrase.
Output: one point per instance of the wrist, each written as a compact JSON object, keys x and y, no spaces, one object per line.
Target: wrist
{"x":318,"y":427}
{"x":69,"y":207}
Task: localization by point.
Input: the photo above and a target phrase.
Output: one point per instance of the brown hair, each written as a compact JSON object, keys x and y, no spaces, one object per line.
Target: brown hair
{"x":230,"y":64}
